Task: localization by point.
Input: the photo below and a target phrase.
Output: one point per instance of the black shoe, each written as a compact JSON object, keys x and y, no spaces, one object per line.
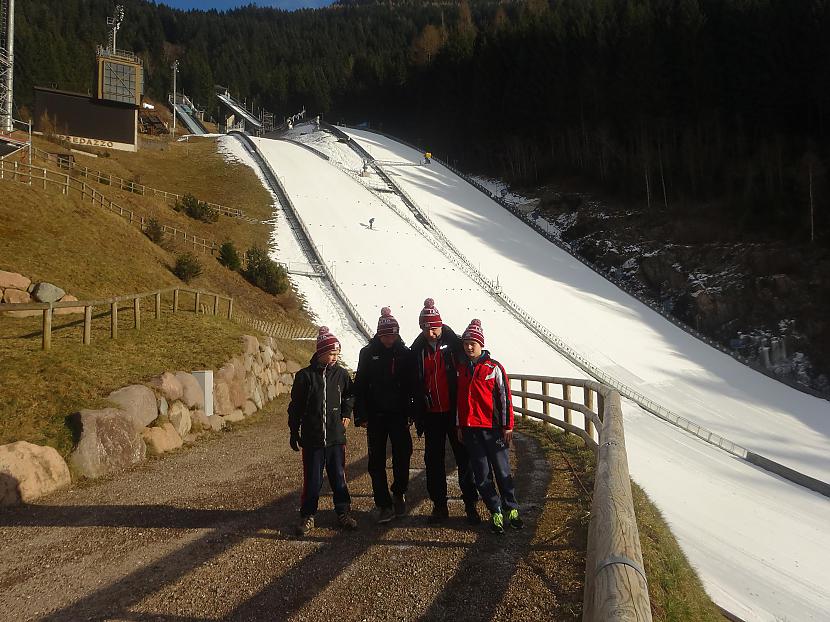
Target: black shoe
{"x":473,"y":517}
{"x":385,"y":515}
{"x":514,"y":520}
{"x":400,"y":505}
{"x":439,"y":514}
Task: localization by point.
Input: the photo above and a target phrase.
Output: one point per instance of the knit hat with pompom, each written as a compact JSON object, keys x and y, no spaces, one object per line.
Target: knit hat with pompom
{"x":387,"y":325}
{"x":474,"y":333}
{"x":429,"y":318}
{"x":326,"y":342}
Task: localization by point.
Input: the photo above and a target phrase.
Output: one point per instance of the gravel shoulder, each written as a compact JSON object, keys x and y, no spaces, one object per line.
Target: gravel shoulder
{"x":207,"y":534}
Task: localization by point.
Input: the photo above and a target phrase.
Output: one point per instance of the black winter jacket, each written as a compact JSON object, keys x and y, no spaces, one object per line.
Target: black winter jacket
{"x":320,"y":398}
{"x":451,"y":346}
{"x":383,"y":383}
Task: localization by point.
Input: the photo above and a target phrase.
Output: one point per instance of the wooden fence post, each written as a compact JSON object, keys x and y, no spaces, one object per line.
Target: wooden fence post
{"x":196,"y":303}
{"x":158,"y":305}
{"x":114,"y":320}
{"x":546,"y":393}
{"x":230,"y":308}
{"x":589,"y":402}
{"x":216,"y":304}
{"x":87,"y":325}
{"x":175,"y":300}
{"x":524,"y":399}
{"x":47,"y":328}
{"x":566,"y":395}
{"x":137,"y":313}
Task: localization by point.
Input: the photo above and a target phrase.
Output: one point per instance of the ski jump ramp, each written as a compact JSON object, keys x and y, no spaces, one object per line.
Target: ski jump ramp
{"x":760,"y":543}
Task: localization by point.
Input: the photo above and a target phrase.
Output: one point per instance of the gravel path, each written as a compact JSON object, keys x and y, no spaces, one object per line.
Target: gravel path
{"x":207,"y":534}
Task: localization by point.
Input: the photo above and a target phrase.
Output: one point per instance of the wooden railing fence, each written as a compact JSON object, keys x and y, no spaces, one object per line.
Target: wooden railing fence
{"x":128,"y":185}
{"x":204,"y":302}
{"x":615,"y":581}
{"x":27,"y":174}
{"x":284,"y":331}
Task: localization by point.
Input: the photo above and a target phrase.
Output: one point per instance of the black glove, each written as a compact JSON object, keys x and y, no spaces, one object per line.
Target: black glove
{"x":295,"y":441}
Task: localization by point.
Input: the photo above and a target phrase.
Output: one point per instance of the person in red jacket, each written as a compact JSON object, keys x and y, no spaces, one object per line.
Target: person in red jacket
{"x":485,"y":426}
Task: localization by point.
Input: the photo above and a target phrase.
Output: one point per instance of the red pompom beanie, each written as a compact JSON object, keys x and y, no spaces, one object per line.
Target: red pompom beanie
{"x":387,"y":325}
{"x":430,"y":318}
{"x":326,"y":342}
{"x":474,"y":333}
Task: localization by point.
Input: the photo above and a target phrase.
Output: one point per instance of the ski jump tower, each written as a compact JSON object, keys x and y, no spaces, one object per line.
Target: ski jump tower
{"x":6,"y":64}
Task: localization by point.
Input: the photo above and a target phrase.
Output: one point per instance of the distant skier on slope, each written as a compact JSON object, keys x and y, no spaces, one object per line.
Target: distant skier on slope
{"x":371,"y":223}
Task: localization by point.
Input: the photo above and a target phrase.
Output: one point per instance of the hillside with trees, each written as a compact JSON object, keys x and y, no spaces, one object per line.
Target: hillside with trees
{"x":709,"y":115}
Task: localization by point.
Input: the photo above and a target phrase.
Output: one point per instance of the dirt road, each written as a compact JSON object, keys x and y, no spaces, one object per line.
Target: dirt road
{"x":207,"y":534}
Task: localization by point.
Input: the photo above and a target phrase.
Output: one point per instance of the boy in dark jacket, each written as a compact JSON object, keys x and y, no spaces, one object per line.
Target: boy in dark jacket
{"x":485,"y":424}
{"x":434,"y":354}
{"x":318,"y":414}
{"x":383,"y":402}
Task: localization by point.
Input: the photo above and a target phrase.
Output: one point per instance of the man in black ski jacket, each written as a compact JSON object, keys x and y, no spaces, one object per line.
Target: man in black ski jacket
{"x":383,"y":404}
{"x":434,"y":354}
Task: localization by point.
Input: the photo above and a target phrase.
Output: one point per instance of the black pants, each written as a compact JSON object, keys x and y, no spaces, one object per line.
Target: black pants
{"x":438,"y":427}
{"x":395,"y":428}
{"x":334,"y":460}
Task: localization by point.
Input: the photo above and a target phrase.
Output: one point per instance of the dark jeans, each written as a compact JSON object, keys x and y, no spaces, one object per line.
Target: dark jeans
{"x":334,"y":460}
{"x":395,"y":428}
{"x":437,"y":428}
{"x":487,"y":450}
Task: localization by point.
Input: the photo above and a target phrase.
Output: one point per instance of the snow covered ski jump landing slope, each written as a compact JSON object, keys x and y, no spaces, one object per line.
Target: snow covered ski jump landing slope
{"x":760,"y":543}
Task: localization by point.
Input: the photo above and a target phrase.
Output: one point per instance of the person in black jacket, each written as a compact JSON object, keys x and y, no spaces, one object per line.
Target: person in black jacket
{"x":434,"y":354}
{"x":383,"y":402}
{"x":318,"y":414}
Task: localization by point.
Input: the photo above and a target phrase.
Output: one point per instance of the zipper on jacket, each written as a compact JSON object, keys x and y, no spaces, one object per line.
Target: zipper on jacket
{"x":325,"y":407}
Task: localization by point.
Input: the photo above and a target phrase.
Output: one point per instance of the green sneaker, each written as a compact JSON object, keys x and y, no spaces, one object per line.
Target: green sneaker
{"x":497,"y":522}
{"x":515,"y":521}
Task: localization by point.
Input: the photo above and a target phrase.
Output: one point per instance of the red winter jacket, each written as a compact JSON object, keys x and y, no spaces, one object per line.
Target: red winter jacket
{"x":484,"y":399}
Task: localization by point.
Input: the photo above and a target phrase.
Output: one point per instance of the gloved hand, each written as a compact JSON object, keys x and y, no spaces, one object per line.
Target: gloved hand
{"x":419,"y":427}
{"x":295,"y":441}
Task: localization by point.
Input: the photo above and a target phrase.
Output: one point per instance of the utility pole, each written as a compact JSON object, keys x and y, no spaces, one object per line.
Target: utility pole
{"x":7,"y":65}
{"x":175,"y":71}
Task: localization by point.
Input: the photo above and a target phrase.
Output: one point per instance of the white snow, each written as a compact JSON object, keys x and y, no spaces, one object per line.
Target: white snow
{"x":759,"y":543}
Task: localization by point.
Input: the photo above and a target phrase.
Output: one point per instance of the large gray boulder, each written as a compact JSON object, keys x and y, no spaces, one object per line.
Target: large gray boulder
{"x":46,"y":292}
{"x":29,"y":471}
{"x":191,"y":390}
{"x":14,"y":280}
{"x":108,"y":442}
{"x":138,"y":403}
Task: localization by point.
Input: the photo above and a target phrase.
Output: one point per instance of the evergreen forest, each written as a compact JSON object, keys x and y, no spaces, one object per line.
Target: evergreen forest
{"x":721,"y":104}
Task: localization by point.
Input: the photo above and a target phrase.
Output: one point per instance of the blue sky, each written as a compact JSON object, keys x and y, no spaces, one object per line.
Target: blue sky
{"x":221,"y":5}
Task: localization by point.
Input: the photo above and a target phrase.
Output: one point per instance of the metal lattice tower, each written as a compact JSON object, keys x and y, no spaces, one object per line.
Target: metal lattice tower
{"x":6,"y":64}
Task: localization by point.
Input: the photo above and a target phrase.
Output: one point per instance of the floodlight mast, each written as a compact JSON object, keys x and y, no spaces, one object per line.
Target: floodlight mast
{"x":6,"y":65}
{"x":115,"y":22}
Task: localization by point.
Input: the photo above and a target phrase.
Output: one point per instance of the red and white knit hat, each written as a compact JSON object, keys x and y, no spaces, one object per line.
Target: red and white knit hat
{"x":429,"y":318}
{"x":387,"y":325}
{"x":326,"y":342}
{"x":474,"y":333}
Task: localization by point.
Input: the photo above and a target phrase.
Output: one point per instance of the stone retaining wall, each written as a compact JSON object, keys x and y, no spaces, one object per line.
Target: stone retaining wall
{"x":152,"y":418}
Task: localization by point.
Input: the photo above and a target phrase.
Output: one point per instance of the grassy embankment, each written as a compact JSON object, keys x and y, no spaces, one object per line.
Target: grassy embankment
{"x":93,"y":253}
{"x":676,"y":592}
